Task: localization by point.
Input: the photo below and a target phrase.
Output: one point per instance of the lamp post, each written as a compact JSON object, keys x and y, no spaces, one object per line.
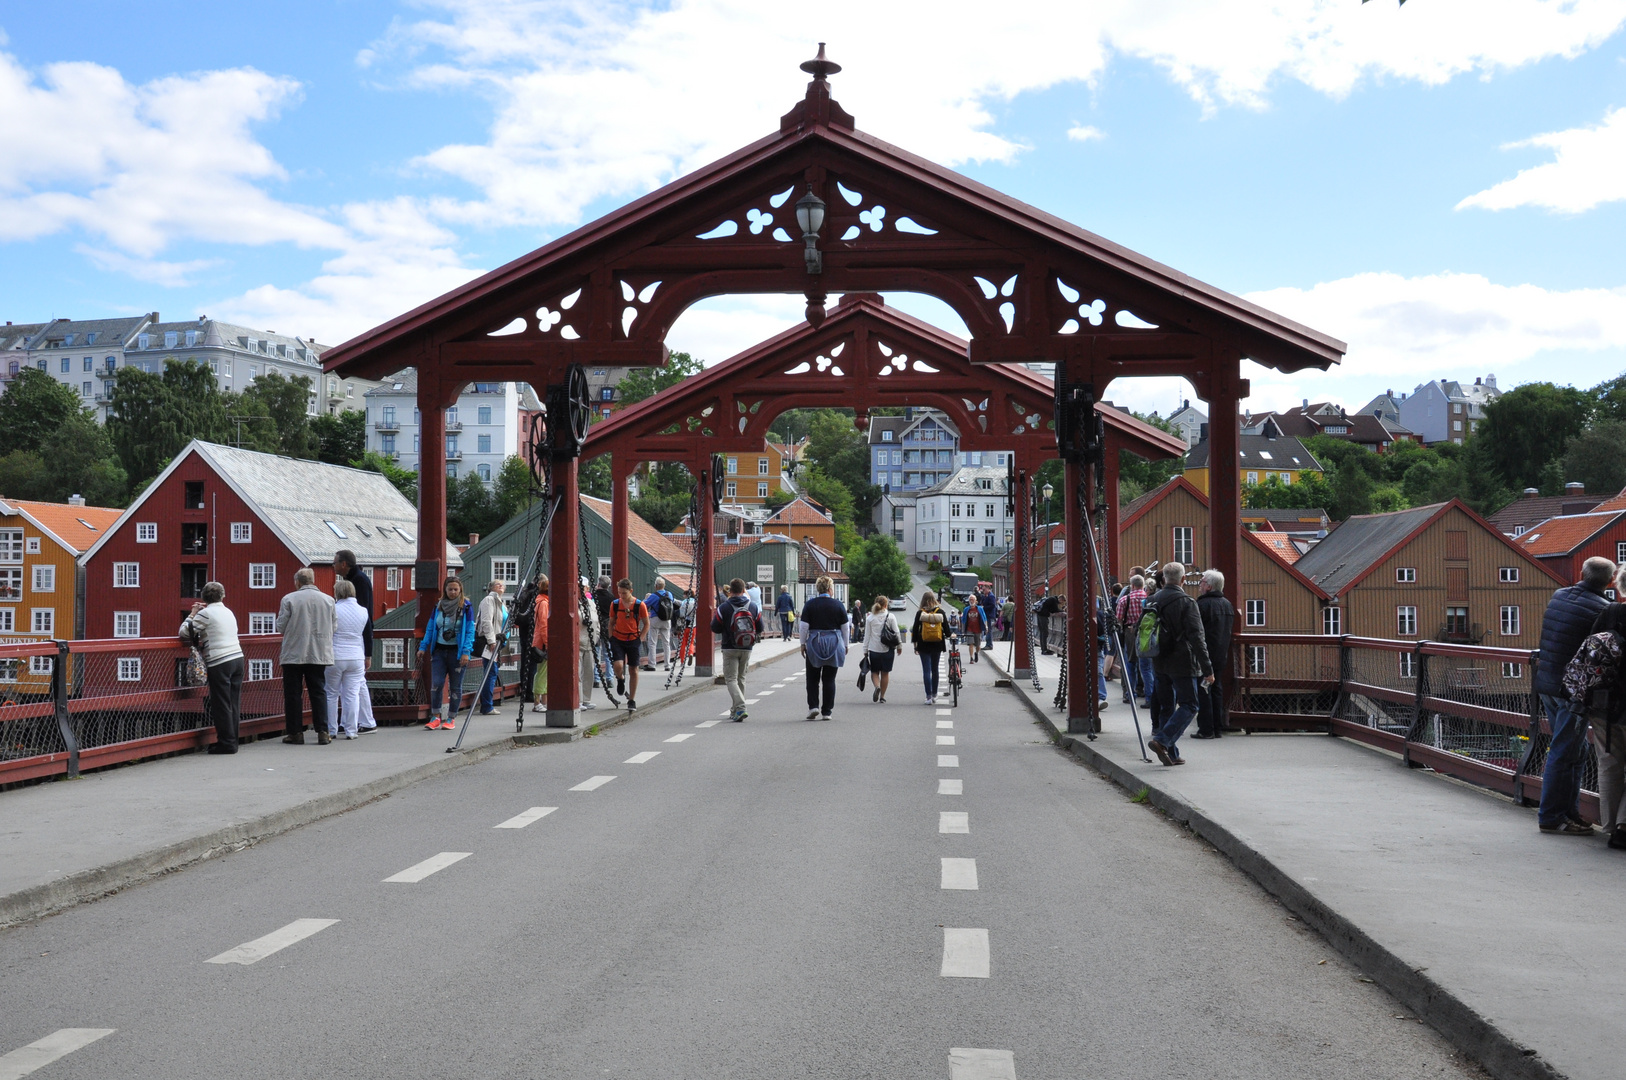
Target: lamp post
{"x":810,"y":217}
{"x":1049,"y":545}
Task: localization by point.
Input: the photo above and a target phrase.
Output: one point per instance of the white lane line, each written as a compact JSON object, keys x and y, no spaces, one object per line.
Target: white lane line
{"x":945,"y":724}
{"x":639,"y":759}
{"x":275,"y":941}
{"x":945,"y":740}
{"x":594,"y":784}
{"x":948,"y":761}
{"x":750,"y":701}
{"x":778,"y":686}
{"x":953,"y":821}
{"x":711,"y":723}
{"x":945,"y":712}
{"x":959,"y":874}
{"x":719,"y":714}
{"x":680,"y":738}
{"x":951,"y":787}
{"x":25,"y":1059}
{"x":765,"y":693}
{"x":519,"y":821}
{"x":432,"y":865}
{"x":970,"y":1063}
{"x":965,"y":953}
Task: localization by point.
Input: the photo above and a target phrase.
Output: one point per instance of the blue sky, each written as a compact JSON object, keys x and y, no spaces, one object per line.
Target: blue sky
{"x":1442,"y":185}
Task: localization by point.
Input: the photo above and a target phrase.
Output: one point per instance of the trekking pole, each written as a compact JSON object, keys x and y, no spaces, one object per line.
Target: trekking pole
{"x":1114,"y":637}
{"x":492,"y":672}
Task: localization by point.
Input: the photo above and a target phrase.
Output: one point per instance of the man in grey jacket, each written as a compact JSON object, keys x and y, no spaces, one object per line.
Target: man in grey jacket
{"x":305,"y":622}
{"x":1182,"y":660}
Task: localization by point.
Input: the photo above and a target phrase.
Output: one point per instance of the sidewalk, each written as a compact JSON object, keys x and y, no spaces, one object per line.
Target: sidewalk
{"x":1507,"y":941}
{"x":72,"y":841}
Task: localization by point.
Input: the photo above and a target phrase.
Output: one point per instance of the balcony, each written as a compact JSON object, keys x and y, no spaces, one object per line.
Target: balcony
{"x":454,"y":455}
{"x":454,"y":425}
{"x":390,"y":426}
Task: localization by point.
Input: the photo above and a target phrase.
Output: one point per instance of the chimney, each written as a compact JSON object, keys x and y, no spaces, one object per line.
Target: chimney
{"x":1478,"y":381}
{"x":1490,"y":381}
{"x":474,"y":538}
{"x":1531,"y":493}
{"x":1202,"y":433}
{"x":1306,"y":403}
{"x":155,"y":317}
{"x":1575,"y":487}
{"x":76,"y":500}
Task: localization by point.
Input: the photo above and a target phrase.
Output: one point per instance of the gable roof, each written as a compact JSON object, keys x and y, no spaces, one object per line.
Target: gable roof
{"x":1280,"y":545}
{"x":73,"y":528}
{"x":1616,"y":503}
{"x":642,"y":533}
{"x":1562,"y":535}
{"x":1534,"y":509}
{"x":799,"y":512}
{"x":1258,"y":452}
{"x":1362,"y":542}
{"x":1138,"y":508}
{"x":296,"y":499}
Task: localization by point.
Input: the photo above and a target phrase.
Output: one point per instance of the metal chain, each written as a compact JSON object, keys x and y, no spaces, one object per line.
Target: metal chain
{"x":600,"y":669}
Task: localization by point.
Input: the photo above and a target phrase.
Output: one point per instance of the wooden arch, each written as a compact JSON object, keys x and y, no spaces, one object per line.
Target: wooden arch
{"x":1029,"y":286}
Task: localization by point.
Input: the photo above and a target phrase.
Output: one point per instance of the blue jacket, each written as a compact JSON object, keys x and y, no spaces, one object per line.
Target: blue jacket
{"x":653,"y":602}
{"x":1566,"y":623}
{"x":465,"y":639}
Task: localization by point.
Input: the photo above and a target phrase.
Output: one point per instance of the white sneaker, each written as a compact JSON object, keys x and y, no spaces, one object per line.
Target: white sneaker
{"x":812,"y":714}
{"x":588,"y":705}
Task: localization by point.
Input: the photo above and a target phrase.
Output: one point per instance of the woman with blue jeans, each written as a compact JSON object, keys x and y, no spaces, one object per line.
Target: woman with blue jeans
{"x":930,"y":635}
{"x":449,"y":640}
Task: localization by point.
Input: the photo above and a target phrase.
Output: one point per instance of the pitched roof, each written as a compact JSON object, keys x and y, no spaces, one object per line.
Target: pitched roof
{"x":1616,"y":503}
{"x":1534,"y":509}
{"x":1132,"y":513}
{"x":799,"y":512}
{"x":642,"y":533}
{"x":75,"y":528}
{"x":1360,"y":543}
{"x":962,"y":481}
{"x":1562,"y":535}
{"x":1261,"y":452}
{"x":1278,"y":513}
{"x":1280,"y":545}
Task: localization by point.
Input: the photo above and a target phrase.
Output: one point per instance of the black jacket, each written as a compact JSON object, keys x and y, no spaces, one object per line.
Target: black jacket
{"x":722,"y":623}
{"x":824,"y":612}
{"x":1218,"y":617}
{"x":364,"y":597}
{"x":1187,"y":655}
{"x":1566,"y":623}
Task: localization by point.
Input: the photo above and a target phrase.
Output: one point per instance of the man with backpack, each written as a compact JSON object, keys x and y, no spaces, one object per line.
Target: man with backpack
{"x":1564,"y":627}
{"x":973,"y":626}
{"x":629,"y":623}
{"x":662,"y":608}
{"x":738,"y":624}
{"x":1171,"y":633}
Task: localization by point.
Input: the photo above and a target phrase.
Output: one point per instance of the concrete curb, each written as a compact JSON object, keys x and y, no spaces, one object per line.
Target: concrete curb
{"x":90,"y":885}
{"x":1459,"y":1023}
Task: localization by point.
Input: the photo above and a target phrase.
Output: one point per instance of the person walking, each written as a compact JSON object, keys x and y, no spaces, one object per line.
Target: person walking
{"x":972,"y":626}
{"x":490,"y":624}
{"x":1564,"y":626}
{"x":449,"y":640}
{"x":603,"y":597}
{"x":1137,"y":679}
{"x":1218,"y":618}
{"x":1047,"y":609}
{"x":930,"y":635}
{"x":1181,"y":660}
{"x":738,"y":624}
{"x":990,"y":611}
{"x":1608,"y":728}
{"x":344,"y":566}
{"x":541,"y":610}
{"x":883,"y":643}
{"x":347,"y":678}
{"x":587,"y":642}
{"x":211,"y":629}
{"x":785,"y":608}
{"x":305,"y":621}
{"x":662,"y":611}
{"x":1007,"y":618}
{"x":754,"y":591}
{"x":824,"y":647}
{"x":629,"y":623}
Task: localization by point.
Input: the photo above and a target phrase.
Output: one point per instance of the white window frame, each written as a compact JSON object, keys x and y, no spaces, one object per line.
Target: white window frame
{"x":1508,"y":575}
{"x":11,"y":583}
{"x":762,"y":489}
{"x":733,"y":490}
{"x":762,"y":466}
{"x":1406,"y":617}
{"x":505,"y":569}
{"x":11,"y":545}
{"x":1184,"y":545}
{"x":1512,"y":669}
{"x":261,"y":570}
{"x":392,"y":578}
{"x":126,"y":624}
{"x":1058,"y":545}
{"x":129,"y":669}
{"x":41,"y":665}
{"x":1510,"y":621}
{"x":259,"y":671}
{"x":146,"y":532}
{"x":43,"y":578}
{"x":1258,"y":659}
{"x":1332,"y":620}
{"x":9,"y":669}
{"x":126,"y":575}
{"x":1406,"y":575}
{"x":1408,"y":665}
{"x":1253,"y":613}
{"x":394,"y":653}
{"x":42,"y":620}
{"x":262,"y":622}
{"x":8,"y":620}
{"x":242,"y":532}
{"x":32,"y":545}
{"x":1620,"y":551}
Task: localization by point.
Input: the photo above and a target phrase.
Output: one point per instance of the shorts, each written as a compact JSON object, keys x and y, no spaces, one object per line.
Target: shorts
{"x":624,"y":650}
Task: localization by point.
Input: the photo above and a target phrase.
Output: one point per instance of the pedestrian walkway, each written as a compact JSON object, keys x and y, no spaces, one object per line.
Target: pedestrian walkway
{"x":1506,"y":940}
{"x":70,"y":841}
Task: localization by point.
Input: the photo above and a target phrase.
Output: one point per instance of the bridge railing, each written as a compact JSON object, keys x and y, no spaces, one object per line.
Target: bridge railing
{"x":1467,"y":711}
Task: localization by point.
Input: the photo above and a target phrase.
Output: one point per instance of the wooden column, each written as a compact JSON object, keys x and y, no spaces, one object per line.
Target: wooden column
{"x":431,"y":566}
{"x":705,"y":586}
{"x":620,"y":560}
{"x":1022,"y":569}
{"x":1115,"y":565}
{"x":564,"y":624}
{"x":1226,"y":390}
{"x":1080,"y":616}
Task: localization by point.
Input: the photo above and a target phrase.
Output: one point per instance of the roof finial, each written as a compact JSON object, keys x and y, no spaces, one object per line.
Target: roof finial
{"x":817,"y":106}
{"x":819,"y":67}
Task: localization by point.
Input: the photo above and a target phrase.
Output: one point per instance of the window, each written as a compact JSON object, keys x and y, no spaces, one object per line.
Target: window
{"x":1182,"y":544}
{"x":1058,"y":546}
{"x":1253,"y":613}
{"x":954,"y":536}
{"x":1256,"y":659}
{"x":762,"y":466}
{"x":126,"y":575}
{"x":127,"y":624}
{"x":987,"y":538}
{"x":262,"y":575}
{"x":1512,"y":670}
{"x":262,"y":622}
{"x":484,"y":413}
{"x":394,"y":653}
{"x":90,"y":363}
{"x":505,"y":570}
{"x":733,"y":491}
{"x":1620,"y":552}
{"x":11,"y":545}
{"x":11,"y":583}
{"x":392,"y":578}
{"x":482,"y":444}
{"x":386,"y":443}
{"x":954,"y":509}
{"x":1406,"y":575}
{"x":970,"y":509}
{"x":733,"y":466}
{"x":1456,"y":621}
{"x":451,"y":446}
{"x":1456,"y":425}
{"x":484,"y":471}
{"x":1253,"y":478}
{"x":1508,"y":575}
{"x":44,"y":579}
{"x":44,"y":621}
{"x":988,"y":510}
{"x":129,"y":669}
{"x":333,"y":527}
{"x":1510,"y":620}
{"x":1406,"y":621}
{"x":41,"y":665}
{"x":1408,"y":665}
{"x":762,"y":490}
{"x":886,"y":436}
{"x":259,"y":670}
{"x":192,"y":495}
{"x":897,"y":457}
{"x":1332,"y":620}
{"x":32,"y":544}
{"x":8,"y":670}
{"x":87,"y":388}
{"x":146,"y":532}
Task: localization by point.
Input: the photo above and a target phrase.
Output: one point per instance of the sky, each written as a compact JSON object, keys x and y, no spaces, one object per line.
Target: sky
{"x":1442,"y":184}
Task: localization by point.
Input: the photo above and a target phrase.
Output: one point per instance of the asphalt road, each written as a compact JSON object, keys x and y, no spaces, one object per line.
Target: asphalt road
{"x":757,"y":900}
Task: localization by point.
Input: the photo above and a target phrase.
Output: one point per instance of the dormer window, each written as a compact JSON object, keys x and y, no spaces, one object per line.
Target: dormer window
{"x":170,"y":338}
{"x":191,"y":338}
{"x":68,"y":340}
{"x":143,"y":341}
{"x":90,"y":338}
{"x":886,"y":436}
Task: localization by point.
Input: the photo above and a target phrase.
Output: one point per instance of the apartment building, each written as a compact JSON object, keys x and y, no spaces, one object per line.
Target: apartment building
{"x":482,"y":427}
{"x":964,"y":520}
{"x":1447,"y":411}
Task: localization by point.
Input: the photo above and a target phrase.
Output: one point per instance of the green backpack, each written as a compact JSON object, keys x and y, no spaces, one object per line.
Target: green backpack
{"x":1149,"y":634}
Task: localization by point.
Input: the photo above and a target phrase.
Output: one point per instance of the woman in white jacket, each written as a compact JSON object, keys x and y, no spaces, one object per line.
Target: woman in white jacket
{"x":347,"y":678}
{"x":880,"y":657}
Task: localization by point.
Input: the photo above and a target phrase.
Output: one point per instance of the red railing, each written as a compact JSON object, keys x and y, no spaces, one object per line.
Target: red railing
{"x":1464,"y":710}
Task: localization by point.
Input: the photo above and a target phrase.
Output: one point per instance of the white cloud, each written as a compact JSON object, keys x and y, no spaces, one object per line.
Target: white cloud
{"x":1085,"y":133}
{"x":168,"y":274}
{"x":1588,"y":168}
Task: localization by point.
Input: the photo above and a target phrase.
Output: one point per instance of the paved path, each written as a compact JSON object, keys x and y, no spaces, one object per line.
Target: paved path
{"x":683,"y":898}
{"x":1507,"y":939}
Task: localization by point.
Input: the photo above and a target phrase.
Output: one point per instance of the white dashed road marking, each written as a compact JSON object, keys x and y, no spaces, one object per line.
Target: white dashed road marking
{"x":750,"y":701}
{"x":945,"y":740}
{"x":680,"y":738}
{"x":965,"y":953}
{"x":945,"y":724}
{"x":251,"y":951}
{"x":519,"y":821}
{"x":432,"y":865}
{"x":959,"y":874}
{"x":969,"y":1063}
{"x":945,"y":712}
{"x":948,"y":761}
{"x":594,"y":784}
{"x":711,"y":723}
{"x":951,"y":787}
{"x":639,"y":759}
{"x":953,"y":821}
{"x":25,"y":1059}
{"x":765,"y":693}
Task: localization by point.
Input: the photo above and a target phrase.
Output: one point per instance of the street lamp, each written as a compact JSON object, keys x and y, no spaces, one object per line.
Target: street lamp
{"x":810,"y":216}
{"x":1049,"y":546}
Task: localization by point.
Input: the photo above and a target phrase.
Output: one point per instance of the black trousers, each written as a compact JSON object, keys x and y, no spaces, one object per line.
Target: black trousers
{"x":1211,"y":717}
{"x":821,"y":680}
{"x":225,"y":700}
{"x":311,"y":678}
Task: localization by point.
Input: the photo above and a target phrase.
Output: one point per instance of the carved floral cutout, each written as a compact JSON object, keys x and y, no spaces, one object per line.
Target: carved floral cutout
{"x":757,"y":220}
{"x":1094,"y":312}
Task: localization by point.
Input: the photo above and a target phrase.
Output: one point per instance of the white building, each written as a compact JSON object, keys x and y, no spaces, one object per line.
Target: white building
{"x":963,"y":520}
{"x":482,"y":428}
{"x":1188,"y":423}
{"x":1447,"y":411}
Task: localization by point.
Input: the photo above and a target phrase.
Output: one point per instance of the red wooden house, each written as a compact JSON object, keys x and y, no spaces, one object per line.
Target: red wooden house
{"x":1563,"y":543}
{"x":249,"y":521}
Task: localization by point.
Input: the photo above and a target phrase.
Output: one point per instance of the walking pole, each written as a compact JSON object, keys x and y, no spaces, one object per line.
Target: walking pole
{"x":1113,"y":636}
{"x":486,"y":672}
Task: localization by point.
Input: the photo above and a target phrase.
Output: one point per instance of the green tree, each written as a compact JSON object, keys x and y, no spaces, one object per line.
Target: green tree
{"x":664,"y":512}
{"x":514,"y":486}
{"x":1351,"y":490}
{"x":840,"y":452}
{"x":778,"y":498}
{"x":24,"y":475}
{"x":1597,"y":457}
{"x":405,"y":480}
{"x":1528,"y":428}
{"x":593,"y":476}
{"x":876,"y":566}
{"x":829,"y":493}
{"x":32,"y":408}
{"x":154,"y":415}
{"x":470,"y":508}
{"x":287,"y":402}
{"x":83,"y":463}
{"x":641,"y":383}
{"x":340,"y":438}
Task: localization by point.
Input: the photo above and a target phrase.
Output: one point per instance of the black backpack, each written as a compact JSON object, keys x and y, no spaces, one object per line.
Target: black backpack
{"x":663,"y":607}
{"x":742,"y":627}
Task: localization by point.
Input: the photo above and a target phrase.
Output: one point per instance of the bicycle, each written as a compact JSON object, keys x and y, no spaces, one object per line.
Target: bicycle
{"x":955,"y":671}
